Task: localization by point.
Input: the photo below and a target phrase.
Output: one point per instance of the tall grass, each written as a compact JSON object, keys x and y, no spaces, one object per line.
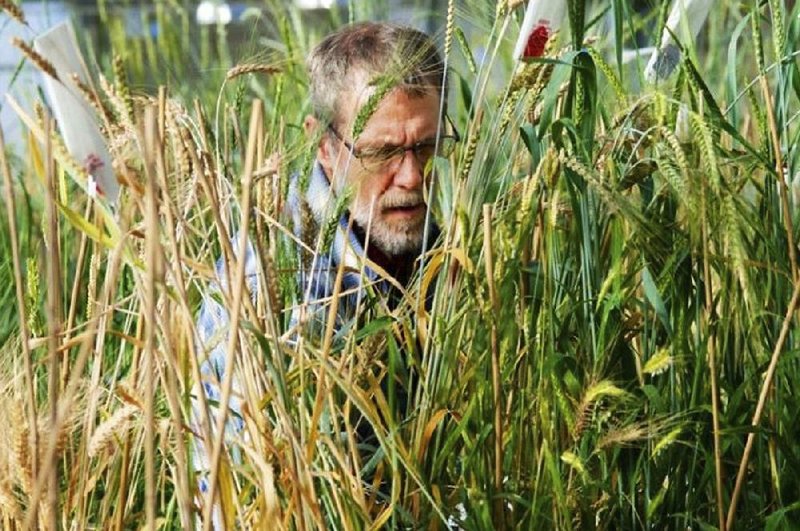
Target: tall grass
{"x":612,"y":329}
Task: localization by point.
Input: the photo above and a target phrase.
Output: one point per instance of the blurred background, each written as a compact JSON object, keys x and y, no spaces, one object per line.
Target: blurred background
{"x":218,"y":33}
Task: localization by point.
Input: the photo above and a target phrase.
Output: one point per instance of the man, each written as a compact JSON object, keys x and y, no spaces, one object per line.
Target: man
{"x":384,"y":168}
{"x":386,"y":83}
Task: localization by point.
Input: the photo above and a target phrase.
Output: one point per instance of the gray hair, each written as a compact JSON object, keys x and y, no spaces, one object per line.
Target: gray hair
{"x":375,"y":49}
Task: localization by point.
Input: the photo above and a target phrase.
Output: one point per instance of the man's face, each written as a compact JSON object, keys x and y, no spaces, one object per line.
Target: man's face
{"x":388,"y":198}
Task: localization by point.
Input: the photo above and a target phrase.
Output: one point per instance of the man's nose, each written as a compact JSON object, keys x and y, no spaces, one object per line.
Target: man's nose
{"x":410,"y":173}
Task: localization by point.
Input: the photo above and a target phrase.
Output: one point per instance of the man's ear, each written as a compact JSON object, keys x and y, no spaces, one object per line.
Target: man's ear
{"x":310,"y":125}
{"x":325,"y":153}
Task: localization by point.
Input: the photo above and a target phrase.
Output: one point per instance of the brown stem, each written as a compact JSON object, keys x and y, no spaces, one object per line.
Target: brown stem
{"x":712,"y":368}
{"x":776,"y":147}
{"x":762,"y":399}
{"x":152,"y":263}
{"x":54,"y":321}
{"x":330,"y":327}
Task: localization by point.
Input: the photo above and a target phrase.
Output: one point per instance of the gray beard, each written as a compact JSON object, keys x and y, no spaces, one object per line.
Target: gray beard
{"x":393,"y":241}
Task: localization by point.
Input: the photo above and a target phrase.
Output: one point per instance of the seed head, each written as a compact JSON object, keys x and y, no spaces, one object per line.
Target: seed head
{"x":251,"y":68}
{"x":14,"y":11}
{"x":35,"y":57}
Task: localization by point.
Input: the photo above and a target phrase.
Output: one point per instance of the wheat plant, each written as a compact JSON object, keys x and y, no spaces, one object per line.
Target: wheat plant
{"x":611,"y":337}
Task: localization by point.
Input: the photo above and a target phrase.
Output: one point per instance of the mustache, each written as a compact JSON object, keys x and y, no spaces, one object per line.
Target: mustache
{"x":402,"y":200}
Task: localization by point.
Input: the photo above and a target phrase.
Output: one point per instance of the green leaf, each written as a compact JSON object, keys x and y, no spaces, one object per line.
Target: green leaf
{"x":373,"y":327}
{"x":528,"y":134}
{"x":85,"y":226}
{"x":654,"y":298}
{"x":779,"y":519}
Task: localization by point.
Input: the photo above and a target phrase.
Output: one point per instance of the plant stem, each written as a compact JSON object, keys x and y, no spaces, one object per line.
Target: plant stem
{"x":712,"y":368}
{"x":496,"y":391}
{"x":171,"y":370}
{"x":238,"y":291}
{"x":779,"y":171}
{"x":330,"y":328}
{"x":152,"y":140}
{"x":762,"y":399}
{"x":53,"y":319}
{"x":78,"y":280}
{"x":11,"y":210}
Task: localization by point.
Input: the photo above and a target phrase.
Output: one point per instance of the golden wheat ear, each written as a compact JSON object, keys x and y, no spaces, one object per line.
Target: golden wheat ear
{"x":13,"y":11}
{"x":251,"y":68}
{"x":35,"y":57}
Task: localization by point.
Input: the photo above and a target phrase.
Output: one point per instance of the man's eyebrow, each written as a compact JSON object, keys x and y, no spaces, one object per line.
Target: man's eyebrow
{"x":390,"y":145}
{"x":375,"y":146}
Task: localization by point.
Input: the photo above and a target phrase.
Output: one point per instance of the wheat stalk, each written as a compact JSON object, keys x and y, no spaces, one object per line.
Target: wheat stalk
{"x":762,"y":400}
{"x":237,"y":289}
{"x":25,"y":322}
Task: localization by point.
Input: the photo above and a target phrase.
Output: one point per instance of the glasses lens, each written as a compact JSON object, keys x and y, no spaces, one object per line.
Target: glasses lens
{"x":424,"y":152}
{"x":380,"y":159}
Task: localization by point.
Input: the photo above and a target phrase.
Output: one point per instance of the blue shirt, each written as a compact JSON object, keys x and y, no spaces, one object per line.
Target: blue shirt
{"x":316,"y":281}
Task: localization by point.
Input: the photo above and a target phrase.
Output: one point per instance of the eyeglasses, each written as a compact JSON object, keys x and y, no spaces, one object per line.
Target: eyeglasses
{"x":384,"y":157}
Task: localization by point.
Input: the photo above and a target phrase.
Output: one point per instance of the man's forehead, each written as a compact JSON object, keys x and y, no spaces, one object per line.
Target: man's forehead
{"x":351,"y":100}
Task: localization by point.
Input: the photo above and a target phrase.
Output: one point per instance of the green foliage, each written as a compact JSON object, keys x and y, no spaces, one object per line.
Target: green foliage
{"x":637,"y":234}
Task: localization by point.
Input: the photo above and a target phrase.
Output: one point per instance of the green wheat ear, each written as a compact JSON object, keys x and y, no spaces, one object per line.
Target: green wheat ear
{"x":329,"y":228}
{"x":399,"y":67}
{"x":733,"y":238}
{"x":308,"y":163}
{"x":472,"y":148}
{"x":676,"y":170}
{"x":607,"y":71}
{"x":32,"y":295}
{"x":466,"y":51}
{"x":123,"y":89}
{"x":755,"y":26}
{"x":702,"y":135}
{"x":383,"y":85}
{"x":778,"y":28}
{"x":449,"y":27}
{"x":760,"y":119}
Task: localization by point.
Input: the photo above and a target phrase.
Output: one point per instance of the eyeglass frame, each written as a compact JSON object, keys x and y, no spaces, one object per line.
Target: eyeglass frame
{"x":405,"y":149}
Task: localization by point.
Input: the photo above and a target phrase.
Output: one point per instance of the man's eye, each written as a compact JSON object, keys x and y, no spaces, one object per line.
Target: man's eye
{"x":379,"y":153}
{"x":425,"y":150}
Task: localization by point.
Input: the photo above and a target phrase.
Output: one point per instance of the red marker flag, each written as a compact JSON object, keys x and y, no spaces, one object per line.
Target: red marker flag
{"x":543,"y":18}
